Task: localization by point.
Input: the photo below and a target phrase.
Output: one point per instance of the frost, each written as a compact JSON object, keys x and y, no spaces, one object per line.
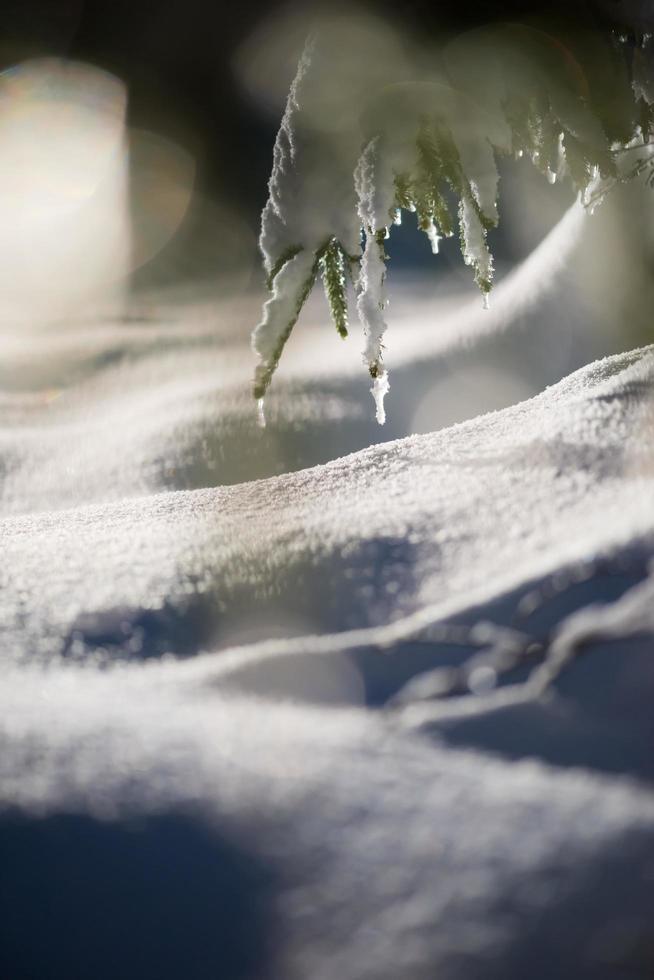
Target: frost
{"x":296,"y":228}
{"x":370,"y":286}
{"x":281,"y":227}
{"x":475,"y":249}
{"x":351,"y":155}
{"x":291,"y":287}
{"x":371,"y":300}
{"x":479,"y":166}
{"x":373,"y":181}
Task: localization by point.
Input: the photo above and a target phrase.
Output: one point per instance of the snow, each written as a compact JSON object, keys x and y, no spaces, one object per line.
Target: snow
{"x":371,"y":300}
{"x":339,"y":174}
{"x":362,"y":718}
{"x":375,"y":192}
{"x":278,"y":700}
{"x":384,"y":847}
{"x":280,"y":312}
{"x":388,"y":851}
{"x":370,"y":285}
{"x":474,"y":489}
{"x":475,"y":252}
{"x":113,"y":410}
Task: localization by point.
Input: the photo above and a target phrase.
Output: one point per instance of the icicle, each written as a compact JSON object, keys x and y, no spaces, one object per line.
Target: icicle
{"x":261,"y":414}
{"x":380,"y":387}
{"x":486,"y":301}
{"x":371,"y":301}
{"x":431,"y":232}
{"x":370,"y":287}
{"x":420,"y":137}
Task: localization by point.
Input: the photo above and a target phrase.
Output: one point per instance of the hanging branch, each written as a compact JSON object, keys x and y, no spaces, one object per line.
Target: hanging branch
{"x":333,"y":198}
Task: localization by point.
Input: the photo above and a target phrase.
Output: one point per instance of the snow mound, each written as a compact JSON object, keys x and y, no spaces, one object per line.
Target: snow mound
{"x":343,"y":710}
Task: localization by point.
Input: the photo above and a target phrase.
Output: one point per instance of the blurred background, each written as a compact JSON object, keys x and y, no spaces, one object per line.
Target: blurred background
{"x":204,"y":85}
{"x":135,"y":149}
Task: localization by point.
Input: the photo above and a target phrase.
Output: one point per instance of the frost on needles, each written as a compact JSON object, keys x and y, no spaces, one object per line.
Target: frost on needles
{"x":358,"y":147}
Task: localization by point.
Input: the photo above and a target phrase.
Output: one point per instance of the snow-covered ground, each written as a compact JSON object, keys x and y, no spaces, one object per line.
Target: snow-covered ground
{"x":272,"y":710}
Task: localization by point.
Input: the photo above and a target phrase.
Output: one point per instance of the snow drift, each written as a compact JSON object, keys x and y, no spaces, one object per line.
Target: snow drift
{"x":354,"y":720}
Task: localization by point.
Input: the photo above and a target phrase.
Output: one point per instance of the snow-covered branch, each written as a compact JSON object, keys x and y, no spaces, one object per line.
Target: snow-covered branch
{"x":430,"y":145}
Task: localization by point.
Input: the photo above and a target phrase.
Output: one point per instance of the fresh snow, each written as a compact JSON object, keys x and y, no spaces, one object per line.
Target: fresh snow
{"x":279,"y":702}
{"x":363,"y":704}
{"x":388,"y":843}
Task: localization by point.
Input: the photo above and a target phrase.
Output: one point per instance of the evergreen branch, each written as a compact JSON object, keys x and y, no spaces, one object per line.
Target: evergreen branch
{"x":332,"y":267}
{"x":578,"y":164}
{"x":548,"y":150}
{"x":403,"y":197}
{"x":516,"y":113}
{"x":431,"y":165}
{"x":558,"y":127}
{"x":448,"y":156}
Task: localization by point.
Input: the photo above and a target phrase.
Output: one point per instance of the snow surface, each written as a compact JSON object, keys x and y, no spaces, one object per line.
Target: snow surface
{"x":335,"y":722}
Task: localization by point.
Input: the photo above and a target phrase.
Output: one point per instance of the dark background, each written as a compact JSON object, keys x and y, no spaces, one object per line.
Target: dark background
{"x":176,"y":57}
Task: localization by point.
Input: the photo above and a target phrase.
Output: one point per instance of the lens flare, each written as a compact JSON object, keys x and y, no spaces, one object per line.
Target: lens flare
{"x":64,"y":226}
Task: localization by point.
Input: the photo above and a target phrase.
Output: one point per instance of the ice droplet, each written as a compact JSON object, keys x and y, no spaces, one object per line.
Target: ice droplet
{"x":486,"y":301}
{"x":551,"y":176}
{"x":261,"y":415}
{"x":379,"y":390}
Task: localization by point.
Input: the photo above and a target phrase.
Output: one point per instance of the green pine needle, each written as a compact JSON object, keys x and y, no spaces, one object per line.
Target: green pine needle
{"x":437,"y":174}
{"x":332,"y":267}
{"x":403,"y":197}
{"x":431,"y":172}
{"x":578,"y":164}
